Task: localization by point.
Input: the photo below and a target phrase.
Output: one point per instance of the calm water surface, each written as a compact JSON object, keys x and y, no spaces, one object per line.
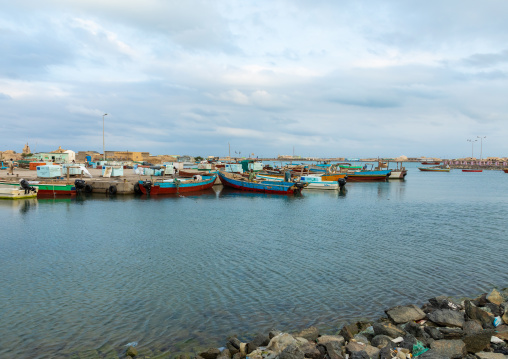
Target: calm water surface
{"x":181,"y":272}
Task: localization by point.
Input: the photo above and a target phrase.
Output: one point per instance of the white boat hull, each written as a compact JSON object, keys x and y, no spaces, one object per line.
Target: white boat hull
{"x":13,"y":192}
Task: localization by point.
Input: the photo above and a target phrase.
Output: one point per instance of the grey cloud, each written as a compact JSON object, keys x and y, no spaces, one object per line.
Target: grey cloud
{"x":487,"y":60}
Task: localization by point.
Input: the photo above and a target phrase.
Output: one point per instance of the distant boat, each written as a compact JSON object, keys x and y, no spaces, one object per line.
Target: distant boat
{"x":434,"y":169}
{"x":433,"y":163}
{"x":505,"y":170}
{"x":171,"y":186}
{"x":238,"y":181}
{"x":466,"y":170}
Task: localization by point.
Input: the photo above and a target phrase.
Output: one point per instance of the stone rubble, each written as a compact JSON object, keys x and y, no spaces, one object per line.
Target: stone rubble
{"x":441,"y":328}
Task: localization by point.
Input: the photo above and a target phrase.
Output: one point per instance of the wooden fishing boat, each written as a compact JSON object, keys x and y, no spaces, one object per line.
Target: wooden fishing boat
{"x":312,"y":181}
{"x":434,"y":169}
{"x":467,"y":170}
{"x":367,"y":176}
{"x":433,"y":163}
{"x":505,"y":170}
{"x":178,"y":185}
{"x":237,"y":181}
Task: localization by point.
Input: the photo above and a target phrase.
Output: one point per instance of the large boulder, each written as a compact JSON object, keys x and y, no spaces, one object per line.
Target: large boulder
{"x":211,"y":353}
{"x":258,"y":341}
{"x":416,"y":330}
{"x":434,"y":333}
{"x":451,"y":333}
{"x":292,"y":351}
{"x":337,"y":341}
{"x":331,"y":350}
{"x":404,"y":314}
{"x":447,"y":317}
{"x":475,"y":313}
{"x":311,"y":351}
{"x":280,"y":342}
{"x":495,"y":297}
{"x":348,"y":331}
{"x":311,"y":334}
{"x":443,"y":302}
{"x":356,"y":347}
{"x":388,"y":329}
{"x":449,"y":348}
{"x":477,"y":342}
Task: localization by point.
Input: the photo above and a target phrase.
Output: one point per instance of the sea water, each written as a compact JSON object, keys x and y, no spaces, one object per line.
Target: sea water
{"x":181,"y":273}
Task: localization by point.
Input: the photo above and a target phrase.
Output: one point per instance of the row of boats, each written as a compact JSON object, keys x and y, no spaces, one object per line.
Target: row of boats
{"x":288,"y":180}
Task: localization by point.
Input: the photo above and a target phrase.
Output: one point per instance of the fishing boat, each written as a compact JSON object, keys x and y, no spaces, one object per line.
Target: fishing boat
{"x":312,"y":181}
{"x":20,"y":191}
{"x":432,"y":163}
{"x":366,"y":175}
{"x":238,"y":181}
{"x":467,"y":170}
{"x":435,"y":169}
{"x":505,"y":170}
{"x":177,"y":185}
{"x":49,"y":189}
{"x":398,"y":173}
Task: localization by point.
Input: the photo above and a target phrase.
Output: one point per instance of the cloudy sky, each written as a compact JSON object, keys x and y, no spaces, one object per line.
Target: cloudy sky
{"x":327,"y":78}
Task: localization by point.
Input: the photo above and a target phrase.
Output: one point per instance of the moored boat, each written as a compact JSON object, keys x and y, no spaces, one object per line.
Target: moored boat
{"x":505,"y":170}
{"x":237,"y":181}
{"x":19,"y":191}
{"x":50,"y":189}
{"x":365,"y":176}
{"x":435,"y":169}
{"x":176,"y":185}
{"x":468,"y":170}
{"x":433,"y":163}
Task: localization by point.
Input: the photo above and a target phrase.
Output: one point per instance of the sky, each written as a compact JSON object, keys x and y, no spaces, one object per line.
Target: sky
{"x":314,"y":78}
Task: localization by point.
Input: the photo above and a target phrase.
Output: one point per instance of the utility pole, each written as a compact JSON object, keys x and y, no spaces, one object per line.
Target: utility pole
{"x":481,"y":144}
{"x":103,"y":151}
{"x":472,"y":146}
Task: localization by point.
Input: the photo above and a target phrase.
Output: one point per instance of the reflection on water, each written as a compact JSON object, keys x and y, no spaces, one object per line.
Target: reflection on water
{"x":180,"y":271}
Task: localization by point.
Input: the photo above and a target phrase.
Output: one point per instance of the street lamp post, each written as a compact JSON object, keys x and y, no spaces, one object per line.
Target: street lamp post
{"x":103,"y":151}
{"x":481,"y":144}
{"x":472,"y":147}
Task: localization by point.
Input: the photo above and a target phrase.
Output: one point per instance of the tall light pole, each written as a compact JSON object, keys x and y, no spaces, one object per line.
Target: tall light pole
{"x":103,"y":151}
{"x":472,"y":146}
{"x":481,"y":144}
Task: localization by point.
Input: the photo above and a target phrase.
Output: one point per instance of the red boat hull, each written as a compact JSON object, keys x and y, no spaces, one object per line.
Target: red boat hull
{"x":472,"y":170}
{"x":435,"y":163}
{"x":360,"y":178}
{"x":51,"y":193}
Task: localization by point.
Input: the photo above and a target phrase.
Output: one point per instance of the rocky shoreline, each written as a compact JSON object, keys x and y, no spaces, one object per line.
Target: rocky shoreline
{"x":443,"y":327}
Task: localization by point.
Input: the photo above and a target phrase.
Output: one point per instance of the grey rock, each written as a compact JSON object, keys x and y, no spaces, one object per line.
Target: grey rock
{"x":332,"y":351}
{"x":449,"y":348}
{"x":235,"y":342}
{"x":488,"y":355}
{"x":443,"y":302}
{"x":408,"y":342}
{"x":348,"y":331}
{"x":354,"y":347}
{"x":494,"y":309}
{"x":211,"y":353}
{"x":477,"y":342}
{"x":361,"y":339}
{"x":434,"y":332}
{"x":385,"y":353}
{"x":475,"y":313}
{"x":232,"y":349}
{"x":259,"y":340}
{"x":404,"y":314}
{"x":447,"y":317}
{"x":359,"y":355}
{"x":415,"y":329}
{"x":432,"y":354}
{"x":311,"y":334}
{"x":388,"y":329}
{"x":311,"y":351}
{"x":236,"y":356}
{"x":382,"y":341}
{"x":472,"y":326}
{"x":225,"y":354}
{"x":336,"y":341}
{"x":292,"y":351}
